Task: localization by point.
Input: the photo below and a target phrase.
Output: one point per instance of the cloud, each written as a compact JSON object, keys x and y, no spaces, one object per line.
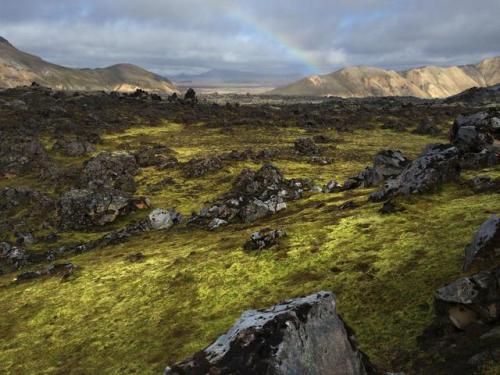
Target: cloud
{"x":259,"y":35}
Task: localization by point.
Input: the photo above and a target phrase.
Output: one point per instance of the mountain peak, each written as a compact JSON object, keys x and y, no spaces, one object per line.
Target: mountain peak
{"x":5,"y":41}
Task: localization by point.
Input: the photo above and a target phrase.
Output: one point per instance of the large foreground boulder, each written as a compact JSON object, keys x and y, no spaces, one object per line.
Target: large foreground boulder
{"x":436,"y":165}
{"x":82,"y":209}
{"x":486,"y":242}
{"x":300,"y":336}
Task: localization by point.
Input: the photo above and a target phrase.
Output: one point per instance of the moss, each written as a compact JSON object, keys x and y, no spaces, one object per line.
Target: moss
{"x":119,"y":317}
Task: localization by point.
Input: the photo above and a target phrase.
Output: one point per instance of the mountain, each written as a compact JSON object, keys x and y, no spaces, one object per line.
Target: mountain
{"x":18,"y":68}
{"x":423,"y":82}
{"x":220,"y":77}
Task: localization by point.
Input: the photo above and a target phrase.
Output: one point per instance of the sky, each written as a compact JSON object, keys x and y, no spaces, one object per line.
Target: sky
{"x":266,"y":36}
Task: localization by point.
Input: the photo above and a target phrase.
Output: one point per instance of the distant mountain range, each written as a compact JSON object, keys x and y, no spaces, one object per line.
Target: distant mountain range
{"x":221,"y":77}
{"x":18,"y":68}
{"x":423,"y":82}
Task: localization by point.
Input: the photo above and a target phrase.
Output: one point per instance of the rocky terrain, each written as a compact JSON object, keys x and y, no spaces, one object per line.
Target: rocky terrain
{"x":18,"y":68}
{"x":423,"y":82}
{"x":135,"y":229}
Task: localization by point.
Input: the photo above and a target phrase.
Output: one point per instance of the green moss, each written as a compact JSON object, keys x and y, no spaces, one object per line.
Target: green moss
{"x":121,"y":317}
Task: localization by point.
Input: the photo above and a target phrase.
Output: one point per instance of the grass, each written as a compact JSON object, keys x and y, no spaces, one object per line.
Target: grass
{"x":119,"y":317}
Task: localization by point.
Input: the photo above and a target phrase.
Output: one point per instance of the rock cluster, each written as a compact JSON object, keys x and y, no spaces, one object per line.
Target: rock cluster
{"x":155,"y":155}
{"x":474,"y":137}
{"x":306,"y":146}
{"x":254,"y":195}
{"x":21,"y":155}
{"x":73,"y":147}
{"x":82,"y":208}
{"x":264,"y":239}
{"x":386,"y":164}
{"x":437,"y":164}
{"x":200,"y":166}
{"x":299,"y":336}
{"x":110,"y":170}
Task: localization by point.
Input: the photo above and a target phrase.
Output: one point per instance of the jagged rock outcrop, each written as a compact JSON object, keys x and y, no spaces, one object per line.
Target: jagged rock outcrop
{"x":299,"y":336}
{"x":386,"y":164}
{"x":474,"y":136}
{"x":485,"y":243}
{"x":436,"y":165}
{"x":110,"y":170}
{"x":254,"y":195}
{"x":83,"y":209}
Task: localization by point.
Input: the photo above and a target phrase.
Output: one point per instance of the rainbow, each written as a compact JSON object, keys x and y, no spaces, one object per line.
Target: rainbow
{"x":294,"y":51}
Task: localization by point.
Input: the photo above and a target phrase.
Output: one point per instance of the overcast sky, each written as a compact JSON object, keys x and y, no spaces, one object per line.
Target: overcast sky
{"x":307,"y":36}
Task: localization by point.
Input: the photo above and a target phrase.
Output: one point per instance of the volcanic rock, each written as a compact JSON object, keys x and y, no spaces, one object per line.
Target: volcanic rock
{"x":263,"y":239}
{"x":300,"y":336}
{"x":485,"y":243}
{"x":436,"y":165}
{"x":386,"y":164}
{"x":110,"y":170}
{"x":83,"y":209}
{"x":306,"y":146}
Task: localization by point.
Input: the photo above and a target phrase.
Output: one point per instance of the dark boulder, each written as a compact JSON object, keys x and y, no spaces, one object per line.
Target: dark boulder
{"x":110,"y":170}
{"x":484,"y":184}
{"x":427,"y":127}
{"x":154,"y":155}
{"x":300,"y":336}
{"x":306,"y":146}
{"x":200,"y":166}
{"x":478,"y":160}
{"x":390,"y":207}
{"x":253,"y":196}
{"x":436,"y":165}
{"x":485,"y":243}
{"x":13,"y":255}
{"x":21,"y":197}
{"x":466,"y":330}
{"x":64,"y":270}
{"x":320,"y":138}
{"x":473,"y":133}
{"x":73,"y":147}
{"x":264,"y":239}
{"x":83,"y":209}
{"x":386,"y":164}
{"x":190,"y":95}
{"x":21,"y":155}
{"x":349,"y":205}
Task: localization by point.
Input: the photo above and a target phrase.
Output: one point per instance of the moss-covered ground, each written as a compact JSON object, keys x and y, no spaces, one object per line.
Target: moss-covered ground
{"x":122,"y":317}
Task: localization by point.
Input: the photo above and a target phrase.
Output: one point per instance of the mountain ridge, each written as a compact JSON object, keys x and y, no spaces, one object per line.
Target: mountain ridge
{"x":18,"y":68}
{"x":424,"y":82}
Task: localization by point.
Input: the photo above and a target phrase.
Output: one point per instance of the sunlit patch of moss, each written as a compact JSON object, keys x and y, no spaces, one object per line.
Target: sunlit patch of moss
{"x":119,"y":316}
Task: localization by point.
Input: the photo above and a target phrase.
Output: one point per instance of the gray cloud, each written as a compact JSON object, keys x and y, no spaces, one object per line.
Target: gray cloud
{"x":259,"y":35}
